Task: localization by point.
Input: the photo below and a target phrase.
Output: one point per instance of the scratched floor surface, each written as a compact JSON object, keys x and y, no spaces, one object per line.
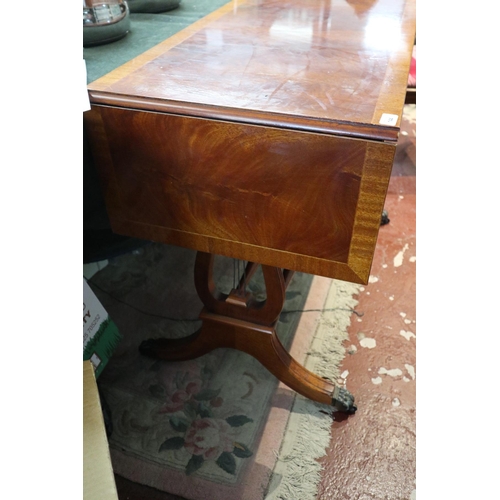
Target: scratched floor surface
{"x":372,"y":454}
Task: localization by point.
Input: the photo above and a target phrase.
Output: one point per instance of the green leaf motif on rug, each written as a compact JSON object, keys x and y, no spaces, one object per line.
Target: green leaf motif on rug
{"x":195,"y":462}
{"x":227,"y":462}
{"x":241,"y":451}
{"x":175,"y":443}
{"x":204,"y":411}
{"x":178,"y":424}
{"x":191,"y":409}
{"x":207,"y":394}
{"x":238,"y":420}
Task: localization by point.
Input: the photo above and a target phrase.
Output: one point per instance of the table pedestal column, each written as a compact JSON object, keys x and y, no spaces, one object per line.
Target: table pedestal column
{"x":238,"y":321}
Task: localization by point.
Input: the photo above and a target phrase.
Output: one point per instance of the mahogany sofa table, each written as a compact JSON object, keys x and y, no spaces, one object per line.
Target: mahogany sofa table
{"x":264,"y":132}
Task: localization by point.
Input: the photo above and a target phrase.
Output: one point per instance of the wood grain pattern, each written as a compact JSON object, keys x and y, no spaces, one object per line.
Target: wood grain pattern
{"x":322,"y":63}
{"x":255,"y":134}
{"x":267,"y":195}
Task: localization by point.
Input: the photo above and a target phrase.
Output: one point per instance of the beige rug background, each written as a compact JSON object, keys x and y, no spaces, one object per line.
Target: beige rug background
{"x":280,"y":434}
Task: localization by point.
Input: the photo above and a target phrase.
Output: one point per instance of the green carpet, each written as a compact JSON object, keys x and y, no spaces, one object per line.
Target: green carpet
{"x":146,"y":31}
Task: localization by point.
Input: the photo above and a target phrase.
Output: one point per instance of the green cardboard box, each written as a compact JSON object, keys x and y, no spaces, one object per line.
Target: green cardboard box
{"x":100,"y":333}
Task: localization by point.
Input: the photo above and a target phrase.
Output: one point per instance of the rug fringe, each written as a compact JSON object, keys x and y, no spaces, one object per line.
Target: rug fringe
{"x":297,"y":473}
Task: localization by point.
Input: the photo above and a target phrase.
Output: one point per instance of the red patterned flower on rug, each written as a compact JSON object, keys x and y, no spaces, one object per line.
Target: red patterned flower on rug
{"x":180,"y":386}
{"x":209,"y":437}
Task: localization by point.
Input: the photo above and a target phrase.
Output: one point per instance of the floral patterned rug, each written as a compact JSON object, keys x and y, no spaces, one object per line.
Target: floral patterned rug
{"x":220,"y":426}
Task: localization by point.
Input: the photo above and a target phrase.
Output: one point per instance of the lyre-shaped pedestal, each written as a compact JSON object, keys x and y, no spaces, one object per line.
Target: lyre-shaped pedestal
{"x":238,"y":321}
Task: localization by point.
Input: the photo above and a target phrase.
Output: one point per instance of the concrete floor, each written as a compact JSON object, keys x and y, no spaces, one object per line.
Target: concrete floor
{"x":372,"y":454}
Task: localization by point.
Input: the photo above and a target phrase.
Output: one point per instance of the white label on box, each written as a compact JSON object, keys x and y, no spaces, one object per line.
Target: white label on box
{"x":387,"y":119}
{"x":93,"y":313}
{"x":95,"y":360}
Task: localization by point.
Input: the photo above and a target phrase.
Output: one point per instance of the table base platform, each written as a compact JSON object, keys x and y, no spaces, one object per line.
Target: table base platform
{"x":238,"y":321}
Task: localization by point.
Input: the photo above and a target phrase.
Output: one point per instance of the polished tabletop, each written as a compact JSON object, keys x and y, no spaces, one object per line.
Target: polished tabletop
{"x":334,"y":66}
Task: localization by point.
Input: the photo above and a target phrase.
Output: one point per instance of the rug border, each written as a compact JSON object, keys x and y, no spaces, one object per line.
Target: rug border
{"x":286,"y":414}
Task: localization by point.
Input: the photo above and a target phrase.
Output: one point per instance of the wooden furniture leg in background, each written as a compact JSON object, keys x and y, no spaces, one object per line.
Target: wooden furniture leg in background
{"x":236,"y":320}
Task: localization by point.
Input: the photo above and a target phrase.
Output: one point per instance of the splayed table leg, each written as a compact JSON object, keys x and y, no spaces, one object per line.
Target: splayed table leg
{"x":238,"y":321}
